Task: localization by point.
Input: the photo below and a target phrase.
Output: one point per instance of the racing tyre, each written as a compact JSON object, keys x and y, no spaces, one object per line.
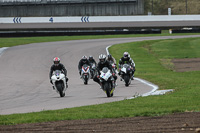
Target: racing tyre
{"x":127,"y":80}
{"x":85,"y":80}
{"x":60,"y":87}
{"x":107,"y":88}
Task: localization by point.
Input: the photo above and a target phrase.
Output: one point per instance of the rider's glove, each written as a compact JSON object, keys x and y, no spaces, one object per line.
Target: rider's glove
{"x":113,"y":74}
{"x":98,"y":76}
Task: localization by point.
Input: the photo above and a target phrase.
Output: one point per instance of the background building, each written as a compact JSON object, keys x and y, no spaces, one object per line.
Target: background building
{"x":35,"y":8}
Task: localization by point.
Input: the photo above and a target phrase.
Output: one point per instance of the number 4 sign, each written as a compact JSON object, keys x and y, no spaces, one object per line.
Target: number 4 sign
{"x":51,"y":19}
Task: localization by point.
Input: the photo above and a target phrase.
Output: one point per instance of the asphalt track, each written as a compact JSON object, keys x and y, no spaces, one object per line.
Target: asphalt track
{"x":24,"y":80}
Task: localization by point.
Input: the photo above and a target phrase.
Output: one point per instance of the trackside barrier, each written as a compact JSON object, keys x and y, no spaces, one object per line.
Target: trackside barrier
{"x":86,"y":19}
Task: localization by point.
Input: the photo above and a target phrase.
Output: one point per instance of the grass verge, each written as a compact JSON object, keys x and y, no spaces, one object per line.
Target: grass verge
{"x":147,"y":56}
{"x":9,"y":42}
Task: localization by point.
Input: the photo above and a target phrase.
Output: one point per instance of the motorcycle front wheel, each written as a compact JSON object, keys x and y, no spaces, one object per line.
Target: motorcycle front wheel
{"x":127,"y":80}
{"x":108,"y":88}
{"x":60,"y":87}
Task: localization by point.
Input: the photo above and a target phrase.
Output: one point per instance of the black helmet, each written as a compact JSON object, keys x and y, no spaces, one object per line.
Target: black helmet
{"x":109,"y":56}
{"x":84,"y":59}
{"x":90,"y":58}
{"x":102,"y":58}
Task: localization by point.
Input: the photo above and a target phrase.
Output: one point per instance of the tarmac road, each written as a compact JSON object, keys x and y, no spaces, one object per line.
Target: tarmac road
{"x":24,"y":80}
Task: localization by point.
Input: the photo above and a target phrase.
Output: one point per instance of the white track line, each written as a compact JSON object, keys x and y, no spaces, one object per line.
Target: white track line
{"x":152,"y":92}
{"x":2,"y":49}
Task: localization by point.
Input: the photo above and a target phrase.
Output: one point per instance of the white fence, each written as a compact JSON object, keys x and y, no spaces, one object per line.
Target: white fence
{"x":88,"y":19}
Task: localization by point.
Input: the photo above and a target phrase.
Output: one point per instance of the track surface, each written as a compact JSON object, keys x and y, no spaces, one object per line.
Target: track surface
{"x":24,"y":81}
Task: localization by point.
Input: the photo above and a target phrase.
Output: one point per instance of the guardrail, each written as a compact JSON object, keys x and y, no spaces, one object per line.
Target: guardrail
{"x":87,"y":19}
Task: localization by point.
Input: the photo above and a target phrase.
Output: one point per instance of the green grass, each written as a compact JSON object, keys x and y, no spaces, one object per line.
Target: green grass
{"x":147,"y":56}
{"x":9,"y":42}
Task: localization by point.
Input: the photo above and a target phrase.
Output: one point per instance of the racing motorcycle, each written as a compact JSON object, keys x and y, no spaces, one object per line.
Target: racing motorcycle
{"x":107,"y":81}
{"x":93,"y":70}
{"x":85,"y":73}
{"x":126,"y":73}
{"x":59,"y":82}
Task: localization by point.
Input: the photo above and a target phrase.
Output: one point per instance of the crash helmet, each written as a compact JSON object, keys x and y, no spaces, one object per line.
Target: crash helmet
{"x":90,"y":58}
{"x":102,"y":58}
{"x":84,"y":59}
{"x":56,"y":61}
{"x":126,"y":55}
{"x":109,"y":57}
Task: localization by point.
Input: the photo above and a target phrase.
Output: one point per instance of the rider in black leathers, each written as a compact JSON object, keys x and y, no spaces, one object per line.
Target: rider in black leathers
{"x":91,"y":60}
{"x":57,"y":66}
{"x":103,"y":63}
{"x":126,"y":59}
{"x":112,"y":61}
{"x":83,"y":61}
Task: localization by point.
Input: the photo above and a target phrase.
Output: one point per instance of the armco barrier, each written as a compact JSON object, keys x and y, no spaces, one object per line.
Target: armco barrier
{"x":72,"y":33}
{"x":87,"y":19}
{"x":189,"y":30}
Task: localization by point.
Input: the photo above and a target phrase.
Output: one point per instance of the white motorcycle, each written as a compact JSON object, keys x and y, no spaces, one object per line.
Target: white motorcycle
{"x":107,"y":81}
{"x":59,"y":82}
{"x":85,"y":73}
{"x":126,"y":73}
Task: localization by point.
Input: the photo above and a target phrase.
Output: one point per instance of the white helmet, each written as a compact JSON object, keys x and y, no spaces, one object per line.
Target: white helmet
{"x":56,"y":61}
{"x":102,"y":58}
{"x":84,"y":59}
{"x":126,"y":55}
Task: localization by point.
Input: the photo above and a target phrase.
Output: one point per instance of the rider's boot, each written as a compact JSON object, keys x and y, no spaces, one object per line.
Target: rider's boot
{"x":66,"y":82}
{"x":100,"y":85}
{"x":132,"y":78}
{"x":66,"y":85}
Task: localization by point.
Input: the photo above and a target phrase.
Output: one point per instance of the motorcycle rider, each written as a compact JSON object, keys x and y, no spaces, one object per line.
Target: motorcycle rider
{"x":58,"y":66}
{"x":92,"y":60}
{"x":83,"y":61}
{"x":112,"y":61}
{"x":126,"y":59}
{"x":103,"y":63}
